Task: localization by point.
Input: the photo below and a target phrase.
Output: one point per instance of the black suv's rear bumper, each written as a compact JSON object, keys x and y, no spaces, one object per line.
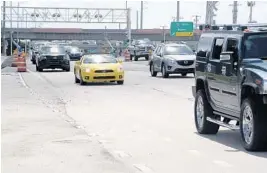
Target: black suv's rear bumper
{"x":194,"y":91}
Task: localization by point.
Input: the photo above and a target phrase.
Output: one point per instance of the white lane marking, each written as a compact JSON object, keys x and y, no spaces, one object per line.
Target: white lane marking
{"x":23,"y":81}
{"x":222,"y":163}
{"x":122,"y":154}
{"x":167,"y":139}
{"x":143,"y":168}
{"x":194,"y":152}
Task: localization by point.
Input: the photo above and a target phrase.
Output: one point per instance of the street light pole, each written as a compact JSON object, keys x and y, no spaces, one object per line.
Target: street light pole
{"x":164,"y":34}
{"x":4,"y":27}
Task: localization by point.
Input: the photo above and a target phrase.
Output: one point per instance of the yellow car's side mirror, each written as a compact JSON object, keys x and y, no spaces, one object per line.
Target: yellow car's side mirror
{"x":120,"y":61}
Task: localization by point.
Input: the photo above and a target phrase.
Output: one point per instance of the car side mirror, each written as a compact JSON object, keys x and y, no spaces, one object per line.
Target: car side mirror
{"x":226,"y":56}
{"x":120,"y":61}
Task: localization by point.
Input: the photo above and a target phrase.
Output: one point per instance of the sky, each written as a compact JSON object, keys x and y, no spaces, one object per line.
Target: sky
{"x":156,"y":13}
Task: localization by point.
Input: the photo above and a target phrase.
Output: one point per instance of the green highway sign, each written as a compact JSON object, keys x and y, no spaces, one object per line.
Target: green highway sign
{"x":182,"y":29}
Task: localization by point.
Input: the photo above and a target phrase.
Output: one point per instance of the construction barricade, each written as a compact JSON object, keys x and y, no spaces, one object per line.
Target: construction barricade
{"x":15,"y":56}
{"x":127,"y":55}
{"x":21,"y":63}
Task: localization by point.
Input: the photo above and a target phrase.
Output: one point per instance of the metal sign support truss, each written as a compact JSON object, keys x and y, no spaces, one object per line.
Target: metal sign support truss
{"x":64,"y":15}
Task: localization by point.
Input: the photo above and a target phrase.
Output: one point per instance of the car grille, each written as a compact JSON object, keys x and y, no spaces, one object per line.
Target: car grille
{"x":185,"y":62}
{"x":104,"y":71}
{"x":104,"y":77}
{"x":75,"y":54}
{"x":54,"y":59}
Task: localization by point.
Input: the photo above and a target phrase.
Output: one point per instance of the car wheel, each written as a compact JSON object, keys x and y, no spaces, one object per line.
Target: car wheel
{"x":81,"y":80}
{"x":152,"y":71}
{"x":164,"y":71}
{"x":202,"y":111}
{"x":131,"y":57}
{"x":184,"y":74}
{"x":253,"y":125}
{"x":67,"y":69}
{"x":136,"y":58}
{"x":147,"y":57}
{"x":120,"y":82}
{"x":76,"y":79}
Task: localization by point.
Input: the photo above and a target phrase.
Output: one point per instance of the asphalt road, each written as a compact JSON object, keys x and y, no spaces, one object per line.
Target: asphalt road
{"x":146,"y":125}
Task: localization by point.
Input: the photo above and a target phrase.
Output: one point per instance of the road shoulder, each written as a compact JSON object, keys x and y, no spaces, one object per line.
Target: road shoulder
{"x":36,"y":139}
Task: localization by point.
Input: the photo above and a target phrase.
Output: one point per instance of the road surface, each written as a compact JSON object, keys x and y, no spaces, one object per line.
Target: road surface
{"x":51,"y":124}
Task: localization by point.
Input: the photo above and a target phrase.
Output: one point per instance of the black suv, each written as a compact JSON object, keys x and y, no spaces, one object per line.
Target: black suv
{"x":52,"y":57}
{"x":231,"y":85}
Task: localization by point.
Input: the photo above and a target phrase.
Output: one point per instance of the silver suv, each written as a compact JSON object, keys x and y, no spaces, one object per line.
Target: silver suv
{"x":172,"y":59}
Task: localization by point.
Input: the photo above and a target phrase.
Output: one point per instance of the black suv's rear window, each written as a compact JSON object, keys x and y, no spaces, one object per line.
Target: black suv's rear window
{"x":255,"y":46}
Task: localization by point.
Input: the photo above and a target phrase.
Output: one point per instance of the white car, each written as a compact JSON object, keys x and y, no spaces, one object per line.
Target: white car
{"x":172,"y":59}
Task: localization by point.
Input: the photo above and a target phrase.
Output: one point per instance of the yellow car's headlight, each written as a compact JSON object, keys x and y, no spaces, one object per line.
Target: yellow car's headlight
{"x":87,"y":70}
{"x":120,"y":69}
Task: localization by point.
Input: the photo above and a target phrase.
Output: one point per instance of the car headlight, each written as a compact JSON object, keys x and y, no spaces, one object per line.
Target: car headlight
{"x":66,"y":57}
{"x":171,"y":61}
{"x":120,"y":69}
{"x":42,"y":57}
{"x":87,"y":70}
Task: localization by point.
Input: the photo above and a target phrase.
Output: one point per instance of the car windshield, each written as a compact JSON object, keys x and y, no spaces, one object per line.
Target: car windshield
{"x":255,"y":46}
{"x":74,"y":49}
{"x":99,"y":59}
{"x":53,"y":50}
{"x":178,"y":50}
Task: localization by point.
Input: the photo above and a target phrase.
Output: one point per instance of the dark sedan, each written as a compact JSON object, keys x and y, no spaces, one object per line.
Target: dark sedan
{"x":75,"y":53}
{"x":52,"y":57}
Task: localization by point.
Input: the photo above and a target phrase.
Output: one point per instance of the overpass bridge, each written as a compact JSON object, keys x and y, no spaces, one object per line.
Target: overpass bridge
{"x":92,"y":34}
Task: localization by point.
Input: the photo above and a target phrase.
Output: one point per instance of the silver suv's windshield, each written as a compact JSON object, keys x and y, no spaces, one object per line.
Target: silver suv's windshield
{"x":255,"y":46}
{"x":74,"y":49}
{"x":99,"y":59}
{"x":53,"y":50}
{"x":178,"y":50}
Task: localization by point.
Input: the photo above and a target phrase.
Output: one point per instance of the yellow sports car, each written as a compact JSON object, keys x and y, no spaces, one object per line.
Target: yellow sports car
{"x":98,"y":68}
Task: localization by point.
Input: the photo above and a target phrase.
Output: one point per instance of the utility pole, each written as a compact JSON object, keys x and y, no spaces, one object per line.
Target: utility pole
{"x":164,"y":34}
{"x":129,"y":24}
{"x":137,"y":19}
{"x":196,"y":19}
{"x":235,"y":11}
{"x":250,"y":4}
{"x":126,"y":4}
{"x":142,"y":11}
{"x":178,"y":11}
{"x":3,"y":28}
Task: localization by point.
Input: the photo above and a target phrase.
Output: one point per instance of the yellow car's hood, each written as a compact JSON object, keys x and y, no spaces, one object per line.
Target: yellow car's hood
{"x":102,"y":66}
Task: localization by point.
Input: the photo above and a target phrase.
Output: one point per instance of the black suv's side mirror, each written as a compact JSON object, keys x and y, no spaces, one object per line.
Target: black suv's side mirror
{"x":226,"y":56}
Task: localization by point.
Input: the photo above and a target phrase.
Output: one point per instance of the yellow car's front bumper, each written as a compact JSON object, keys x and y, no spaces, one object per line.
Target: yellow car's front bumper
{"x":102,"y":77}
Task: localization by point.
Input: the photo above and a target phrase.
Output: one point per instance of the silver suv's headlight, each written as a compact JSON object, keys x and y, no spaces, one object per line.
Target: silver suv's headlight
{"x":171,"y":61}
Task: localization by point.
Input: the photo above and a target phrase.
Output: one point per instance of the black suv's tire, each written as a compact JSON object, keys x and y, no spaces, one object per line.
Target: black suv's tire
{"x":136,"y":58}
{"x":257,"y":141}
{"x":202,"y":111}
{"x":152,"y":72}
{"x":164,"y":71}
{"x":147,"y":57}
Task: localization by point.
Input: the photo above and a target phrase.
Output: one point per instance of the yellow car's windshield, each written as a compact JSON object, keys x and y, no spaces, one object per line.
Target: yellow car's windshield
{"x":99,"y":59}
